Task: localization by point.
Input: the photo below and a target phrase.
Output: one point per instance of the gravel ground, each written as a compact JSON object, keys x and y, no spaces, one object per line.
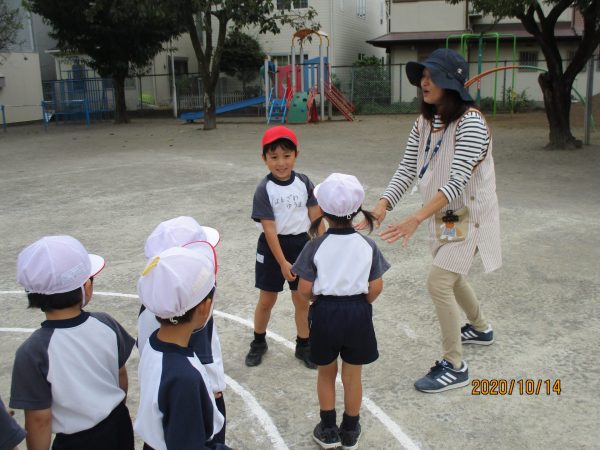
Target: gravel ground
{"x":110,"y":185}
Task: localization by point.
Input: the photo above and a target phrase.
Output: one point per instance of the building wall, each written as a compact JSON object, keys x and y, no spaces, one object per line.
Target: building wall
{"x":22,"y":90}
{"x":347,"y":31}
{"x":427,"y":15}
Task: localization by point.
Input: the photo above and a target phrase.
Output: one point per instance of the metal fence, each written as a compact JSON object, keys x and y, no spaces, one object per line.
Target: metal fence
{"x":379,"y":89}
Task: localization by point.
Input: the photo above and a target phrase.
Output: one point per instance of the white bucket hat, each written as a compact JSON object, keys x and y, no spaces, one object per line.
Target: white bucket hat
{"x":177,"y":279}
{"x":177,"y":232}
{"x":56,"y":264}
{"x":340,"y":195}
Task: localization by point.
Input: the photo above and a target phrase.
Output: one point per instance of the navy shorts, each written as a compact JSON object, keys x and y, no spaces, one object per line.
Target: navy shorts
{"x":342,"y":326}
{"x":113,"y":433}
{"x":267,"y":270}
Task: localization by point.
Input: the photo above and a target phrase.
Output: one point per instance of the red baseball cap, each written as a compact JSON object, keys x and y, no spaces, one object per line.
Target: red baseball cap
{"x":279,"y":132}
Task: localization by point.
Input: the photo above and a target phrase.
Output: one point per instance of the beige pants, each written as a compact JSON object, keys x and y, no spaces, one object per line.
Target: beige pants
{"x":448,"y":291}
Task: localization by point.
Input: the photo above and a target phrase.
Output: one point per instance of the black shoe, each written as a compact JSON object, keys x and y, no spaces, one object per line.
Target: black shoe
{"x":303,"y":354}
{"x":349,"y":438}
{"x":326,"y":437}
{"x":257,"y":350}
{"x":469,"y":335}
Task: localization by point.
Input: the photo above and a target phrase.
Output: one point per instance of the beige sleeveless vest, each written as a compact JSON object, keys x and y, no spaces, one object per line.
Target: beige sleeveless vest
{"x":479,"y":195}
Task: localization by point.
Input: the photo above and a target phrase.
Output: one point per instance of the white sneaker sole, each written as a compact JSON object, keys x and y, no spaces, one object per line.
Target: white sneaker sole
{"x":445,"y":388}
{"x":478,"y":342}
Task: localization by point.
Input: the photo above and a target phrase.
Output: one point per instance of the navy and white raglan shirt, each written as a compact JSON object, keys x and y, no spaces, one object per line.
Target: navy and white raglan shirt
{"x":176,"y":410}
{"x":341,"y":262}
{"x":285,"y":202}
{"x":11,"y":434}
{"x":72,"y":366}
{"x":205,"y":342}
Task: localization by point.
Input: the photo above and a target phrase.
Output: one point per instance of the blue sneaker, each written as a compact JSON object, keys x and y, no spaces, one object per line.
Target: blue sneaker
{"x":327,"y":437}
{"x":442,"y":377}
{"x":469,"y":335}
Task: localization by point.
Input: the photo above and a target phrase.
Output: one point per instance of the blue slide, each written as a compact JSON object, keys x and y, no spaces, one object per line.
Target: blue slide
{"x":191,"y":116}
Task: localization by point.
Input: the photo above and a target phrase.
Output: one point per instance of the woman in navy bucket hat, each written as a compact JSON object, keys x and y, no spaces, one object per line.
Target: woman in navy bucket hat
{"x":448,"y":159}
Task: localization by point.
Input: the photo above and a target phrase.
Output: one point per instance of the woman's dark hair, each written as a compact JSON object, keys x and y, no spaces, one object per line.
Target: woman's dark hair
{"x":50,"y":302}
{"x":285,"y":144}
{"x":451,"y":108}
{"x":341,"y":222}
{"x":188,"y":315}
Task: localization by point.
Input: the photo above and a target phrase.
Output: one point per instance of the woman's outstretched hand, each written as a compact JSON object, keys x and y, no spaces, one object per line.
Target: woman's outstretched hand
{"x":401,"y":230}
{"x":378,"y":212}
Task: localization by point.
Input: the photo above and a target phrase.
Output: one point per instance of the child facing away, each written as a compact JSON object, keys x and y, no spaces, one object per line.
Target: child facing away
{"x":178,"y":232}
{"x":342,"y":270}
{"x":283,"y":208}
{"x":177,"y":410}
{"x":69,"y":376}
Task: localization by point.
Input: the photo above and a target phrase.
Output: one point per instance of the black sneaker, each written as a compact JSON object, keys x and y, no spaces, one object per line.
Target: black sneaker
{"x":469,"y":335}
{"x":326,"y":437}
{"x":350,"y":438}
{"x":443,"y":376}
{"x":303,"y":354}
{"x":257,"y":350}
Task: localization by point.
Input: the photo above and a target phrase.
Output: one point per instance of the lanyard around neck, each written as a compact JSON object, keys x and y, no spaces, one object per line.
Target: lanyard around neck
{"x":433,"y":153}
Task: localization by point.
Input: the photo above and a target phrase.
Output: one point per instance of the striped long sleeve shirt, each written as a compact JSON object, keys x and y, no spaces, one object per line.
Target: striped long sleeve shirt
{"x":472,"y":140}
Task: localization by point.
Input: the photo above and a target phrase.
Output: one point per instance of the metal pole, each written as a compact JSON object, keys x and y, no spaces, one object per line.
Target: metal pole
{"x":293,"y":67}
{"x":174,"y":85}
{"x":587,"y":123}
{"x":322,"y":79}
{"x":267,"y":89}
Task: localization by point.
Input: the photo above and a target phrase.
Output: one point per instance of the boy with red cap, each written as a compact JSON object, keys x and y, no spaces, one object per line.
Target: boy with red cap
{"x":283,"y":208}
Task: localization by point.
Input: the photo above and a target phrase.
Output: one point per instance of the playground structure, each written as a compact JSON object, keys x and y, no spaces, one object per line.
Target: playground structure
{"x":294,"y":93}
{"x":299,"y":90}
{"x":79,"y":97}
{"x":464,"y":41}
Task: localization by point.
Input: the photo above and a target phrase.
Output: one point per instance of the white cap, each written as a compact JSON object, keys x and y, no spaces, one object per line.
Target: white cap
{"x":177,"y":279}
{"x":177,"y":232}
{"x":340,"y":194}
{"x":56,"y":264}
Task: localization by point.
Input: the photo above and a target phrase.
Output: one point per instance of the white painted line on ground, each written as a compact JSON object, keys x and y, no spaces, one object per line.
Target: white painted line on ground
{"x":263,"y":417}
{"x":392,"y":426}
{"x":386,"y":420}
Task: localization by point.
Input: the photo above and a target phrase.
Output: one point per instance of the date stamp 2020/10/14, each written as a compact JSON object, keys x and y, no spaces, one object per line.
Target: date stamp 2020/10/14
{"x":515,"y":386}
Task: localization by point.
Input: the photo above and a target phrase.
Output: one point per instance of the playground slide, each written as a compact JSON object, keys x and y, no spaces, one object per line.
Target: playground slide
{"x":196,"y":115}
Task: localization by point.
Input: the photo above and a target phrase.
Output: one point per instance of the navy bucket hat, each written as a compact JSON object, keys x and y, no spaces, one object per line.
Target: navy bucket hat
{"x":448,"y":70}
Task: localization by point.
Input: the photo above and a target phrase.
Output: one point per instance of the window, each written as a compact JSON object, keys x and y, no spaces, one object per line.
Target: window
{"x":528,"y":59}
{"x":361,"y":8}
{"x":289,"y":4}
{"x":381,"y":12}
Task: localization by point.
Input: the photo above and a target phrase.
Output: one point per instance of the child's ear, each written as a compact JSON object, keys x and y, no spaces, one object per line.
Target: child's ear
{"x":203,"y":310}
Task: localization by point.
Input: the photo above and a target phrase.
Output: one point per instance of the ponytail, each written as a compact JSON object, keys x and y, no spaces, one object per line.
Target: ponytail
{"x":313,"y":231}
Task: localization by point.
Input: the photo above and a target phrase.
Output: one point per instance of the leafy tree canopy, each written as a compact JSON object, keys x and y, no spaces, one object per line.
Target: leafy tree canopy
{"x":116,"y":36}
{"x":242,"y":56}
{"x":10,"y":24}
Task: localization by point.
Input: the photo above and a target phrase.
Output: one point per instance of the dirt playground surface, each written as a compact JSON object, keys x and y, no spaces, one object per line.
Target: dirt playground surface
{"x":109,"y":186}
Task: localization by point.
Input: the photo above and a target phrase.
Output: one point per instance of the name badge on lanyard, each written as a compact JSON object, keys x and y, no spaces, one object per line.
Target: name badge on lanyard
{"x":428,"y":161}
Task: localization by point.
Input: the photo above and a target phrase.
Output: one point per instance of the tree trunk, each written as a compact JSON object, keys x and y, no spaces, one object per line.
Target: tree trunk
{"x":557,"y":101}
{"x":120,"y":107}
{"x":210,"y":111}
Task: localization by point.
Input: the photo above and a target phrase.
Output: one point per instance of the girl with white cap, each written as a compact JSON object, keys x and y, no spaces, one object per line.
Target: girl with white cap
{"x":342,"y":271}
